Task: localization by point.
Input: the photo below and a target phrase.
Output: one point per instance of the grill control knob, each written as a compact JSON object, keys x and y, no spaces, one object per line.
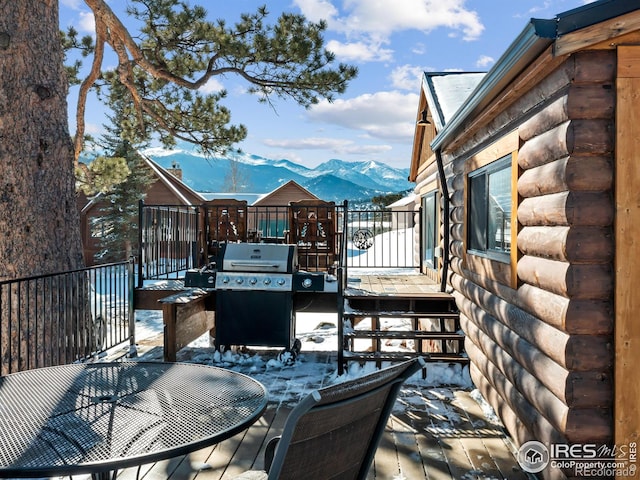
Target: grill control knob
{"x":225,"y":279}
{"x":267,"y":281}
{"x":239,"y":280}
{"x":306,"y":283}
{"x":280,"y":281}
{"x":253,"y":280}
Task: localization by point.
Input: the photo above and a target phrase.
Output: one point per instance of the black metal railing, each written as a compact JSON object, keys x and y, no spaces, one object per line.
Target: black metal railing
{"x":168,"y":238}
{"x":174,"y":238}
{"x":65,"y":317}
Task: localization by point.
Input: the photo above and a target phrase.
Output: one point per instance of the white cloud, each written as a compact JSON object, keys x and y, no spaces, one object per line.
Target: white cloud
{"x":419,"y":49}
{"x":213,"y":85}
{"x":360,"y":51}
{"x":407,"y":77}
{"x":382,"y":115}
{"x":316,"y":10}
{"x":367,"y":25}
{"x":485,"y":61}
{"x":310,"y":143}
{"x":540,"y":8}
{"x":93,"y":129}
{"x":378,"y":19}
{"x":87,"y":22}
{"x":337,"y":146}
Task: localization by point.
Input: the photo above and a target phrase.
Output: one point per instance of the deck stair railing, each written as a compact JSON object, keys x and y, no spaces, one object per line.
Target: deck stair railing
{"x":169,"y":240}
{"x":432,"y":320}
{"x":431,"y":327}
{"x":61,"y":318}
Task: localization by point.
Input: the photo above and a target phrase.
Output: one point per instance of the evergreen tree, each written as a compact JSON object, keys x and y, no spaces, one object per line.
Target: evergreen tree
{"x":119,"y":212}
{"x":118,"y":222}
{"x":175,"y":52}
{"x":381,"y":201}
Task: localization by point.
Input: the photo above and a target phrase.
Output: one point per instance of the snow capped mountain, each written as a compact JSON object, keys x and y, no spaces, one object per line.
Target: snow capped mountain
{"x":335,"y":179}
{"x":371,"y":174}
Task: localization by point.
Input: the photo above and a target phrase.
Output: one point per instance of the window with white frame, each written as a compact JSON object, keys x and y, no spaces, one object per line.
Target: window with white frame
{"x":489,"y":221}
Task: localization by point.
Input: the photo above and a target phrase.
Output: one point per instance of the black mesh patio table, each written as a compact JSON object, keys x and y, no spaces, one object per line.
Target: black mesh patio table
{"x":101,"y":417}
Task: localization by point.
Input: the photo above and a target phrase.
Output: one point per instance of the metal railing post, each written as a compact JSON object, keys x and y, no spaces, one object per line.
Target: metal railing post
{"x":133,"y":352}
{"x":140,"y":257}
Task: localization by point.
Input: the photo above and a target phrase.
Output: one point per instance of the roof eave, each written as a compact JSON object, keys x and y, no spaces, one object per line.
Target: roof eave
{"x":534,"y":39}
{"x":436,"y":114}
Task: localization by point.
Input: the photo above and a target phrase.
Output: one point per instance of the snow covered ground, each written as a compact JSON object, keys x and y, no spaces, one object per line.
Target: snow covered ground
{"x":317,"y":333}
{"x":393,"y":248}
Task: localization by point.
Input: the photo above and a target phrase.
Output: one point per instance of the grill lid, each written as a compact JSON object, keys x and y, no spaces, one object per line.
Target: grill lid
{"x":259,"y":257}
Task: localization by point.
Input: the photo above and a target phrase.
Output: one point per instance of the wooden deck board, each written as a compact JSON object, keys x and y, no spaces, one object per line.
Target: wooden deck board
{"x":495,"y":444}
{"x":380,"y":283}
{"x":409,"y":459}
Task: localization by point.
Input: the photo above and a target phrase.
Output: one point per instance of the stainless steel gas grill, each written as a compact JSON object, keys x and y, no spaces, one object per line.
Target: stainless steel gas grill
{"x":254,"y":295}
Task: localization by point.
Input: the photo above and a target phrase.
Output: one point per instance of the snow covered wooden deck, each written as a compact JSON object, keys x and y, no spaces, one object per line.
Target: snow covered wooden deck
{"x":436,"y":431}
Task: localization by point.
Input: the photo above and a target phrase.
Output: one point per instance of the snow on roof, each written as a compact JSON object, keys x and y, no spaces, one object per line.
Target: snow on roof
{"x":447,"y":91}
{"x":250,"y":198}
{"x":403,"y":202}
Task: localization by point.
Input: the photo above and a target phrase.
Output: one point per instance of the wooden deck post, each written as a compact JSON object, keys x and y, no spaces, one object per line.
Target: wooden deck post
{"x":627,"y":234}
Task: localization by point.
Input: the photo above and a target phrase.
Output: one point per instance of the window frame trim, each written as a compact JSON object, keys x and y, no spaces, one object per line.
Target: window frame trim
{"x":499,"y":164}
{"x":437,"y":224}
{"x":479,"y":262}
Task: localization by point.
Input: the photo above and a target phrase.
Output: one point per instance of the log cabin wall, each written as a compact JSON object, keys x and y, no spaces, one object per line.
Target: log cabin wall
{"x":539,"y":329}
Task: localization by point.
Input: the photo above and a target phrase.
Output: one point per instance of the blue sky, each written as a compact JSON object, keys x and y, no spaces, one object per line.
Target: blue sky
{"x":390,"y":41}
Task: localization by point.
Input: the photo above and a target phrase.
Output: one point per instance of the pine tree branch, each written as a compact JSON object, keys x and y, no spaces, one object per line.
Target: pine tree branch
{"x":85,"y":86}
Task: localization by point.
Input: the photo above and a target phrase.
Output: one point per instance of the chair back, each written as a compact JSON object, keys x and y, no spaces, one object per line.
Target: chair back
{"x":334,"y":432}
{"x":226,"y":222}
{"x":312,"y":227}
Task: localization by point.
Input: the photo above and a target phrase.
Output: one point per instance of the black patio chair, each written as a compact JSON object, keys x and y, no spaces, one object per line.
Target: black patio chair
{"x":334,"y":431}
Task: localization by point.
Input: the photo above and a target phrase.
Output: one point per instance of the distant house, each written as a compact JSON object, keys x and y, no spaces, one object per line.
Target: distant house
{"x":167,"y":189}
{"x":270,"y":212}
{"x":531,"y":172}
{"x":404,"y":217}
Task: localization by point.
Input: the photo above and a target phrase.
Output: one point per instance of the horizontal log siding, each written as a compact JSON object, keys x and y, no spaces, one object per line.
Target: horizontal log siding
{"x":542,"y":353}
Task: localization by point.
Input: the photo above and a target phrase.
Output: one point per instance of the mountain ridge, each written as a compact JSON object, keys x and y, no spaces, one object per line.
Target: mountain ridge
{"x":334,"y":180}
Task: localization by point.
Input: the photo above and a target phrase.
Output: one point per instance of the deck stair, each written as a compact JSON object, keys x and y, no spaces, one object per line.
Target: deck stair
{"x":432,"y":328}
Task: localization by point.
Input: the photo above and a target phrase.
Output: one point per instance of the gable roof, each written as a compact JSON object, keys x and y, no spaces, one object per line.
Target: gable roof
{"x":184,"y":194}
{"x":250,"y":198}
{"x":291,"y":185}
{"x":257,"y":199}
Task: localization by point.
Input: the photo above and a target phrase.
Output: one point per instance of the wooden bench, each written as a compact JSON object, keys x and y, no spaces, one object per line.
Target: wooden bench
{"x":186,"y":315}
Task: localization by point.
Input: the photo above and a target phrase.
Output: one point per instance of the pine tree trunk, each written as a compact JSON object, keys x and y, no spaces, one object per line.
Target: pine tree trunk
{"x":39,"y":220}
